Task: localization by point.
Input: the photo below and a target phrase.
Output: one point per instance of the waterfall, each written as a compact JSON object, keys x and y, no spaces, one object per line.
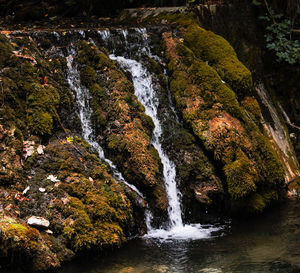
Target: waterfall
{"x":144,"y":91}
{"x":134,"y":42}
{"x":142,"y":81}
{"x":85,"y":114}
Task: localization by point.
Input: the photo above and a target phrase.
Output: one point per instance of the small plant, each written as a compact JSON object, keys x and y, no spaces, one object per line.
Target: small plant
{"x":279,"y":40}
{"x":279,"y":36}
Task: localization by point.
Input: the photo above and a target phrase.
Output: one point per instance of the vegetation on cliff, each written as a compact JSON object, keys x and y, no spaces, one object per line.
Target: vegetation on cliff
{"x":202,"y":90}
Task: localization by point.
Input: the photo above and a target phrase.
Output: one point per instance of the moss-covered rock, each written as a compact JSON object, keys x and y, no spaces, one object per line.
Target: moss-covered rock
{"x":23,"y":244}
{"x":10,"y":157}
{"x":211,"y":109}
{"x":87,"y":75}
{"x":41,"y":108}
{"x":253,"y":109}
{"x":5,"y":51}
{"x":241,"y":177}
{"x":85,"y":206}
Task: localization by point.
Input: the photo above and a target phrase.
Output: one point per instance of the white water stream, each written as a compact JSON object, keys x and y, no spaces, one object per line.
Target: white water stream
{"x":85,"y":114}
{"x":145,"y":93}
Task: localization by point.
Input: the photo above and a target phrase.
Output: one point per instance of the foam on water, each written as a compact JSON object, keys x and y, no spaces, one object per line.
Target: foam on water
{"x":184,"y":232}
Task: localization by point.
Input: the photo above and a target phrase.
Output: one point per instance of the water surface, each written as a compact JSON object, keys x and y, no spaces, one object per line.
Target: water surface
{"x":266,"y":243}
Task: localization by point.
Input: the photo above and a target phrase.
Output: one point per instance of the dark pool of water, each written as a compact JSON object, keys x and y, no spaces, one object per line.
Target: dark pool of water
{"x":267,"y":243}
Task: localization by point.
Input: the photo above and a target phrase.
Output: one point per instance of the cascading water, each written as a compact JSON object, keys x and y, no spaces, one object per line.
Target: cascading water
{"x":85,"y":114}
{"x":142,"y":81}
{"x":145,"y":93}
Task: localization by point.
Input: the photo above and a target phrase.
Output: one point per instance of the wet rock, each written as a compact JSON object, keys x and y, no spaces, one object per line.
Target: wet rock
{"x":203,"y":190}
{"x":38,"y":222}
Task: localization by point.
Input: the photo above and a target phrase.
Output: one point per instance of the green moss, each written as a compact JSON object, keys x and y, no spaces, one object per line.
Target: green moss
{"x":147,"y":123}
{"x":85,"y":52}
{"x":5,"y":51}
{"x":131,"y":100}
{"x":96,"y":209}
{"x":97,"y":91}
{"x":115,"y":142}
{"x":211,"y":109}
{"x":154,"y":66}
{"x":78,"y":227}
{"x":220,"y":55}
{"x":92,"y":210}
{"x":183,"y":19}
{"x":187,"y":53}
{"x":183,"y":138}
{"x":241,"y":177}
{"x":88,"y":75}
{"x":20,"y":242}
{"x":155,"y":155}
{"x":252,"y":107}
{"x":109,"y":234}
{"x":209,"y":82}
{"x":98,"y":171}
{"x":256,"y":202}
{"x":97,"y":103}
{"x":66,"y":98}
{"x":70,"y":164}
{"x":102,"y":61}
{"x":41,"y":108}
{"x":271,"y":169}
{"x":40,"y":123}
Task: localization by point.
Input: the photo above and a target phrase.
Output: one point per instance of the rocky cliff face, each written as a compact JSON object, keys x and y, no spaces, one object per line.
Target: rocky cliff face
{"x":213,"y":129}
